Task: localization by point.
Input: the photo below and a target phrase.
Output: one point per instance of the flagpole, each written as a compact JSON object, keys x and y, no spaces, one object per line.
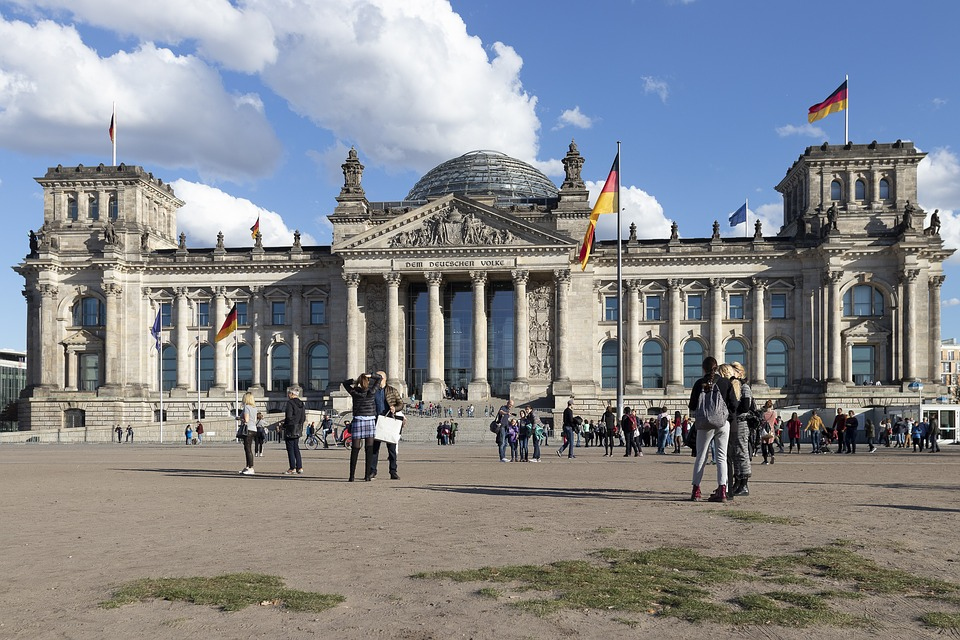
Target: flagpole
{"x":746,"y":217}
{"x":620,"y":340}
{"x":114,"y":136}
{"x":198,"y":361}
{"x":846,"y":113}
{"x":236,"y":375}
{"x":160,"y":354}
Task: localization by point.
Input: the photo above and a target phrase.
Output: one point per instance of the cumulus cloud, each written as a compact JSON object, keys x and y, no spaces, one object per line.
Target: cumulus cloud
{"x":208,"y":210}
{"x":172,"y":110}
{"x":938,"y":185}
{"x":806,"y":130}
{"x":769,"y":215}
{"x":574,"y":118}
{"x":950,"y":302}
{"x":657,"y":86}
{"x":638,"y":206}
{"x":939,"y":102}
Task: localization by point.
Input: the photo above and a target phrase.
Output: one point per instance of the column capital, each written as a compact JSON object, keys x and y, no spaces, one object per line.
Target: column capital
{"x":936,"y":282}
{"x":147,"y":291}
{"x":674,"y":283}
{"x":112,"y":289}
{"x":634,"y":284}
{"x":909,"y":276}
{"x":478,"y":277}
{"x":562,"y":276}
{"x":352,"y":279}
{"x":520,"y":276}
{"x":256,"y":290}
{"x":717,"y":283}
{"x":832,"y":277}
{"x":393,"y":278}
{"x":180,"y":292}
{"x":759,"y":284}
{"x":434,"y":277}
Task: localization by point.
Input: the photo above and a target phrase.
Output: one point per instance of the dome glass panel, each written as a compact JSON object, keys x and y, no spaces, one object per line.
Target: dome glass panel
{"x":482,"y":173}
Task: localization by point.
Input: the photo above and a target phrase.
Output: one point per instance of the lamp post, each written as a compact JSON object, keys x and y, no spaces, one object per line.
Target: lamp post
{"x":918,"y":387}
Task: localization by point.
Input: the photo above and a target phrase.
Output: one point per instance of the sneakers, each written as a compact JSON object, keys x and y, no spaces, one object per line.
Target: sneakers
{"x":394,"y":476}
{"x":535,"y":460}
{"x":247,"y":472}
{"x":290,"y":472}
{"x":504,"y":460}
{"x":299,"y":472}
{"x":559,"y":455}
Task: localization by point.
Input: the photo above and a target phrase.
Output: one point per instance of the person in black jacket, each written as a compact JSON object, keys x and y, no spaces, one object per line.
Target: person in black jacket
{"x":706,"y":433}
{"x":294,"y":416}
{"x":364,"y":423}
{"x":567,"y":431}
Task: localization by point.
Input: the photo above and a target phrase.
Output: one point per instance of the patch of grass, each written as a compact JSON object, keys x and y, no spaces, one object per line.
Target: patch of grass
{"x":627,"y":621}
{"x":755,"y":517}
{"x":490,"y":592}
{"x":230,"y":592}
{"x":946,"y":621}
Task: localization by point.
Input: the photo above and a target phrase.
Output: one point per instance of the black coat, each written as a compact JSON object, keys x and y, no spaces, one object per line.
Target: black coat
{"x":363,"y":401}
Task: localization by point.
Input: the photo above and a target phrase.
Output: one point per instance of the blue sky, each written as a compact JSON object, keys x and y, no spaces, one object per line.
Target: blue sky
{"x":249,"y":107}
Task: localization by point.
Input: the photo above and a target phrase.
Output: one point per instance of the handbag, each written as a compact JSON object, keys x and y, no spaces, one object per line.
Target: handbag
{"x":495,"y":426}
{"x":242,"y":431}
{"x":388,"y":429}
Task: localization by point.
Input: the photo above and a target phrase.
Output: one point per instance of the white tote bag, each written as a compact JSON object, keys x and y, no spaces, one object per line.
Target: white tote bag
{"x":388,"y":429}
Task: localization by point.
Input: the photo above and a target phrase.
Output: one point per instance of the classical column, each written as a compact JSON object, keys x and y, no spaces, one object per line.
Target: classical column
{"x":562,"y":277}
{"x":72,"y":375}
{"x":479,"y":388}
{"x":296,"y":307}
{"x":521,"y":325}
{"x":114,"y":335}
{"x":219,"y":314}
{"x":759,"y":373}
{"x":34,"y":336}
{"x":394,"y":370}
{"x":353,"y":322}
{"x":834,"y":313}
{"x":632,"y":330}
{"x":675,"y":355}
{"x":181,"y":338}
{"x":910,"y":324}
{"x":256,"y":358}
{"x":934,"y":283}
{"x":716,"y":319}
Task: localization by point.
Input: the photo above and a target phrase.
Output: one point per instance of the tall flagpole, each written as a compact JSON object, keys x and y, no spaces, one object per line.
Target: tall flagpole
{"x":114,"y":136}
{"x":160,"y":354}
{"x":621,"y":343}
{"x":198,"y":361}
{"x":236,"y":375}
{"x":846,"y":113}
{"x":746,"y":217}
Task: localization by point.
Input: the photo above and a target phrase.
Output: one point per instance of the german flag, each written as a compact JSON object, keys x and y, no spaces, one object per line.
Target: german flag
{"x":229,"y":325}
{"x":836,"y":102}
{"x":255,"y":229}
{"x":608,"y":202}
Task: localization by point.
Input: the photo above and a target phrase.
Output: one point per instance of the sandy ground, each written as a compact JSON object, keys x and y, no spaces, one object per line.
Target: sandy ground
{"x":77,"y":520}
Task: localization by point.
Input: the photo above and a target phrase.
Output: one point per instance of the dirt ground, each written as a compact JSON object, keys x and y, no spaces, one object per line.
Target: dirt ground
{"x":77,"y":520}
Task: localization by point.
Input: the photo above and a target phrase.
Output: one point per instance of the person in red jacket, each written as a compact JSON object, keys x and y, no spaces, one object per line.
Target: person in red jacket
{"x":794,"y":428}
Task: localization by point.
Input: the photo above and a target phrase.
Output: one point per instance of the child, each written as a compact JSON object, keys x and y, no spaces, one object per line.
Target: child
{"x":513,"y":434}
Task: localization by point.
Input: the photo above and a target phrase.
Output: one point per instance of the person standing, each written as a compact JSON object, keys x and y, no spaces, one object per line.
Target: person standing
{"x":261,"y":436}
{"x":794,"y":428}
{"x":815,"y":426}
{"x":294,"y":415}
{"x":188,"y":432}
{"x":713,"y":401}
{"x":870,"y":433}
{"x":677,"y":431}
{"x":567,"y":432}
{"x":364,"y":424}
{"x":768,"y":432}
{"x":839,"y":424}
{"x":934,"y":434}
{"x":525,"y":431}
{"x":119,"y":432}
{"x":631,"y":432}
{"x":247,"y":431}
{"x":738,"y":448}
{"x":850,"y":432}
{"x":129,"y":433}
{"x":389,"y":403}
{"x":609,"y":419}
{"x":503,"y":417}
{"x":199,"y":432}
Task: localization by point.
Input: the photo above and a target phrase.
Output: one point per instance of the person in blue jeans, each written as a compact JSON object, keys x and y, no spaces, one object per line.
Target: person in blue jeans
{"x":567,"y":432}
{"x":503,"y":417}
{"x":525,"y":429}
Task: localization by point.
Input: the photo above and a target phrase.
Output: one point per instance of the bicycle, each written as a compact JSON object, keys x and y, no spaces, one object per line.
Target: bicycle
{"x":341,"y":424}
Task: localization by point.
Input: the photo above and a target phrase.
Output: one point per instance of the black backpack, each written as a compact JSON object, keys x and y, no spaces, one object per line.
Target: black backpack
{"x":495,"y":426}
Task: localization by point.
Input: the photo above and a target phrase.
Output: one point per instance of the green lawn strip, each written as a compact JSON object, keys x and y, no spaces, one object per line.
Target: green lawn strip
{"x":755,"y":517}
{"x":230,"y":592}
{"x":939,"y":620}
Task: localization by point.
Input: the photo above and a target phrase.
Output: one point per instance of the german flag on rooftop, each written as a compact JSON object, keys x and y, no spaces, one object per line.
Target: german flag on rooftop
{"x":836,"y":102}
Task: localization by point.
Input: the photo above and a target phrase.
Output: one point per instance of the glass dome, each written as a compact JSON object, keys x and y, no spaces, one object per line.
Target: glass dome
{"x":481,"y":173}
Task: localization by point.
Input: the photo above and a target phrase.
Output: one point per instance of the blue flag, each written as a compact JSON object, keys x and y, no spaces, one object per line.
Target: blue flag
{"x":738,"y":216}
{"x":155,"y":329}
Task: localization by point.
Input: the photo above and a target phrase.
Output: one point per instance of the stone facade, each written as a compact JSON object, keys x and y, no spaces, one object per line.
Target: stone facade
{"x":846,"y":292}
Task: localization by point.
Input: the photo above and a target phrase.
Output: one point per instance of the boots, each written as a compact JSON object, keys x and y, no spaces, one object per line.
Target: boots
{"x":732,"y":488}
{"x":742,"y":488}
{"x":720,"y":495}
{"x":695,"y":495}
{"x":354,"y":454}
{"x":367,"y":459}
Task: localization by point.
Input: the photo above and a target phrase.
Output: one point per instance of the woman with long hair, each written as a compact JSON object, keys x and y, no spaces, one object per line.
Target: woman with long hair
{"x":794,"y":428}
{"x":707,"y":433}
{"x":248,"y":428}
{"x":364,"y":422}
{"x":739,"y":449}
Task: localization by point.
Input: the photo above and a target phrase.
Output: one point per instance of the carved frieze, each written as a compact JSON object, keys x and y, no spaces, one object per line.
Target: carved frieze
{"x":540,"y":309}
{"x":452,"y":228}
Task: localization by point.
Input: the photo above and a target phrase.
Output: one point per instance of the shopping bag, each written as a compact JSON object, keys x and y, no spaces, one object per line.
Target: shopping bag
{"x":388,"y":429}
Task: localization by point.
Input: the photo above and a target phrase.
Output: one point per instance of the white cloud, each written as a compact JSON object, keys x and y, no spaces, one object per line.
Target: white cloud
{"x":807,"y":130}
{"x":209,"y":210}
{"x":950,"y":302}
{"x":939,"y":102}
{"x":638,"y":206}
{"x":657,"y":86}
{"x":938,"y":185}
{"x":172,"y":110}
{"x":574,"y":118}
{"x":769,"y":215}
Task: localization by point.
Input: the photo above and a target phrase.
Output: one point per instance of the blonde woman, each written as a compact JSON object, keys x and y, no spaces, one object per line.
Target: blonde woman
{"x":248,"y":430}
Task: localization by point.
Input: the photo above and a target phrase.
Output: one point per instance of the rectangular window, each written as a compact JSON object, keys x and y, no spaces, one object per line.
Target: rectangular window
{"x":946,"y":367}
{"x":88,"y":378}
{"x":318,"y":312}
{"x":203,"y":314}
{"x":778,"y":305}
{"x":653,"y":308}
{"x":279,"y":315}
{"x":610,"y":308}
{"x":695,"y":307}
{"x":242,"y":316}
{"x":736,"y":306}
{"x":166,"y":315}
{"x":862,"y":362}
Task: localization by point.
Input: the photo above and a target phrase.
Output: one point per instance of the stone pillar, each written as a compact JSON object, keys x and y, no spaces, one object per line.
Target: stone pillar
{"x":256,"y":325}
{"x":759,"y":373}
{"x":935,"y":343}
{"x":479,"y":387}
{"x":521,"y":325}
{"x":218,"y":313}
{"x":394,"y":368}
{"x":353,"y":324}
{"x":296,"y":307}
{"x":72,"y":374}
{"x":34,"y":335}
{"x":434,"y":385}
{"x":113,"y":338}
{"x":716,"y":319}
{"x":181,"y":337}
{"x":675,"y":354}
{"x":632,"y":331}
{"x":834,"y":313}
{"x":910,"y":324}
{"x":562,"y":277}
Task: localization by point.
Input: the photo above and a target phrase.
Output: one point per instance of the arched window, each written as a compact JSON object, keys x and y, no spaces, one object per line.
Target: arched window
{"x":692,"y":362}
{"x":836,"y":190}
{"x":862,"y":300}
{"x":608,"y":365}
{"x":244,"y":356}
{"x":318,"y":366}
{"x":860,"y":190}
{"x":205,"y":372}
{"x":776,"y":363}
{"x":884,"y":189}
{"x":652,"y":364}
{"x":89,"y":312}
{"x":169,"y":361}
{"x":93,"y":206}
{"x":280,"y":368}
{"x":735,"y":351}
{"x":72,"y":208}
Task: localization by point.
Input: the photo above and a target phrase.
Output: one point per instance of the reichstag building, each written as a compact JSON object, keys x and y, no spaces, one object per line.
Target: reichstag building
{"x":471,"y":281}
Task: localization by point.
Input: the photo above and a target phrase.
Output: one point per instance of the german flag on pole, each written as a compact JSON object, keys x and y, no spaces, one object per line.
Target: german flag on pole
{"x":608,"y":202}
{"x":836,"y":102}
{"x":229,"y":325}
{"x":255,"y":229}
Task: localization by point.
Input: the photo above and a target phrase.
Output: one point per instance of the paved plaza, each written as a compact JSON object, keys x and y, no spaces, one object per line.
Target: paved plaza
{"x":77,"y":520}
